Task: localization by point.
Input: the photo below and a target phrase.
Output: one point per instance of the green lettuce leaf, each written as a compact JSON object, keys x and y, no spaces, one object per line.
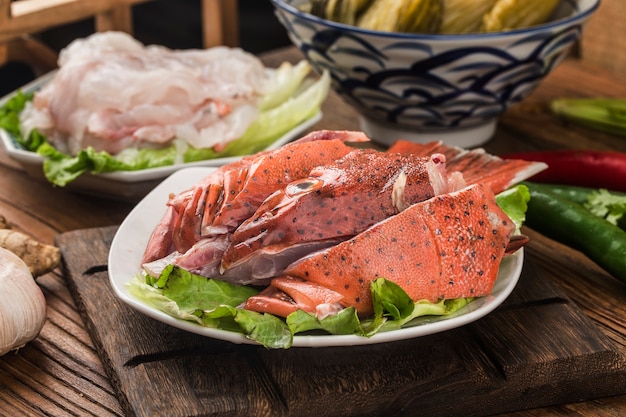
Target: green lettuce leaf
{"x":345,"y":321}
{"x":187,"y":296}
{"x":214,"y":303}
{"x":210,"y":303}
{"x":514,"y":202}
{"x":10,"y":121}
{"x":287,"y":79}
{"x":194,"y":292}
{"x":266,"y":329}
{"x":10,"y":111}
{"x":393,"y":308}
{"x":275,"y":122}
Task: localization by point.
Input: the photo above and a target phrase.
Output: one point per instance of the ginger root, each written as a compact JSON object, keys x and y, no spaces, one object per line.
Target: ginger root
{"x":39,"y":257}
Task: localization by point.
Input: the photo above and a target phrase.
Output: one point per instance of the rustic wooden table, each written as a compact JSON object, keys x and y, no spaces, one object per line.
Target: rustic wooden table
{"x":62,"y":374}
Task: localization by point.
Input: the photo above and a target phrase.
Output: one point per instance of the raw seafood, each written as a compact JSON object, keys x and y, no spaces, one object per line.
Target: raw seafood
{"x":409,"y":196}
{"x":447,"y":247}
{"x":334,"y":203}
{"x":475,"y":164}
{"x":198,"y":223}
{"x":111,"y":93}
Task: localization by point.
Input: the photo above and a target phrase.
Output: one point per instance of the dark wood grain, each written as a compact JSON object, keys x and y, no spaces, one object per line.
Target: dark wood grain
{"x":537,"y":349}
{"x":602,"y":38}
{"x":61,"y":374}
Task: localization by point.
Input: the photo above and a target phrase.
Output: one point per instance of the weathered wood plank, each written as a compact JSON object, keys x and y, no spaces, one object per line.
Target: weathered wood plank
{"x":538,"y":342}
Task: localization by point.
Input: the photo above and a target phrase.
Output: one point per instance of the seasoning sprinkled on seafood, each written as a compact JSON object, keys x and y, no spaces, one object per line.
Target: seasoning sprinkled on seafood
{"x":317,"y":221}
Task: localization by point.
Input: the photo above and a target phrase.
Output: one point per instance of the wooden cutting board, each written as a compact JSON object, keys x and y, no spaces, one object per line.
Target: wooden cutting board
{"x":537,"y":349}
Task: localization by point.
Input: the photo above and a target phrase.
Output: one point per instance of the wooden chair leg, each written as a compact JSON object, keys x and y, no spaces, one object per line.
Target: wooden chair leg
{"x":29,"y":50}
{"x":231,"y":28}
{"x":216,"y":31}
{"x":119,"y":18}
{"x":41,"y":58}
{"x":4,"y":53}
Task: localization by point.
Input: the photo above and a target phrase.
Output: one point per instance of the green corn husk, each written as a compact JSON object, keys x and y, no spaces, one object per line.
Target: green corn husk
{"x":603,"y":114}
{"x":464,"y":16}
{"x":409,"y":16}
{"x":516,"y":14}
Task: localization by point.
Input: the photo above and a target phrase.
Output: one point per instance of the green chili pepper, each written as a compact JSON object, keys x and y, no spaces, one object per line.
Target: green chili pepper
{"x":571,"y":192}
{"x":570,"y":223}
{"x":610,"y":206}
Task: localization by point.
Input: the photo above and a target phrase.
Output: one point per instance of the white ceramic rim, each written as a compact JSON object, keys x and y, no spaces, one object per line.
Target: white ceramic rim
{"x":463,"y":137}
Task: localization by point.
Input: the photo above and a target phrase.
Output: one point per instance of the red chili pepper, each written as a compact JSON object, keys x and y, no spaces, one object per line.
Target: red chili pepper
{"x":585,"y":168}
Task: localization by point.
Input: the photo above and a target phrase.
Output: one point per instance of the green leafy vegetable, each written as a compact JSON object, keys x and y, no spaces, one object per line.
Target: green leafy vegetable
{"x":268,"y":330}
{"x":10,"y":111}
{"x":10,"y":121}
{"x":344,"y":322}
{"x":393,"y":308}
{"x":187,"y":296}
{"x":288,"y":78}
{"x":273,"y":123}
{"x":194,"y":292}
{"x":514,"y":202}
{"x":213,"y":303}
{"x":609,"y":206}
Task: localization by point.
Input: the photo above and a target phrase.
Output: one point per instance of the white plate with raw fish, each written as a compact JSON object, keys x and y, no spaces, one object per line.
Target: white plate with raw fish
{"x":118,"y":116}
{"x":128,"y":261}
{"x":128,"y":185}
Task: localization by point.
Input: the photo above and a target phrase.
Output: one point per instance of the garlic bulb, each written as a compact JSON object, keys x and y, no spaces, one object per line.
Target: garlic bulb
{"x":22,"y":304}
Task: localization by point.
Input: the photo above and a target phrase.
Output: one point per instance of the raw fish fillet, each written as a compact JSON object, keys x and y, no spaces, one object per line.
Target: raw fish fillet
{"x":111,"y":92}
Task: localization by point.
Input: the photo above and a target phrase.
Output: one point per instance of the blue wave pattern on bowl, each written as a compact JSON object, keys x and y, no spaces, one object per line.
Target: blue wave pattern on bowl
{"x":432,"y":82}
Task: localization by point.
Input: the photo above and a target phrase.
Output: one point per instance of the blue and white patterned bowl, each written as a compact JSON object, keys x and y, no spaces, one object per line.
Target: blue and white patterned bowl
{"x":430,"y":87}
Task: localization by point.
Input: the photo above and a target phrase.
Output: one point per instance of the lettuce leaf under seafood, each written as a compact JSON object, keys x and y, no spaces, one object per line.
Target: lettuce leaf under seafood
{"x":213,"y":303}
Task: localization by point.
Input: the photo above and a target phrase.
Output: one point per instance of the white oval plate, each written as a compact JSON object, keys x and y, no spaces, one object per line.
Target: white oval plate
{"x":132,"y":237}
{"x":124,"y":185}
